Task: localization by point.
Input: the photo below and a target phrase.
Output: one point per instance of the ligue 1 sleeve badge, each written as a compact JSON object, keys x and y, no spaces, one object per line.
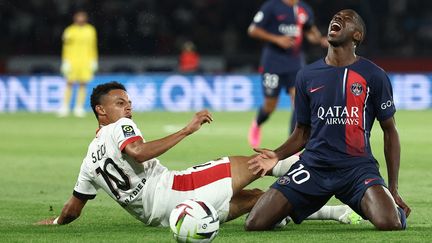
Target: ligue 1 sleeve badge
{"x":356,"y":89}
{"x":128,"y":131}
{"x":284,"y":180}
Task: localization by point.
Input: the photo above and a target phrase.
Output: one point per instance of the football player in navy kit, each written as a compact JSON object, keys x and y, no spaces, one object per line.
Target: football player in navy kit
{"x":282,"y":24}
{"x":337,"y":101}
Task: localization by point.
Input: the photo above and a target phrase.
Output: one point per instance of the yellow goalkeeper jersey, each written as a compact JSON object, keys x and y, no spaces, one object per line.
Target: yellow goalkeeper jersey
{"x":80,"y":46}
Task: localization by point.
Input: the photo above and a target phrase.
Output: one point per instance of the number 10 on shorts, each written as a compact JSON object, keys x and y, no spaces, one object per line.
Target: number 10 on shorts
{"x":299,"y":175}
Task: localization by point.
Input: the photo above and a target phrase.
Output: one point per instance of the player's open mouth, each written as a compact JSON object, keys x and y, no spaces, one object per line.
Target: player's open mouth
{"x":335,"y":27}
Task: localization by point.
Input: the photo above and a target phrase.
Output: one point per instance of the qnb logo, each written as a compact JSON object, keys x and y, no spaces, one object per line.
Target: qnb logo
{"x":387,"y":104}
{"x":290,"y":30}
{"x":339,"y":115}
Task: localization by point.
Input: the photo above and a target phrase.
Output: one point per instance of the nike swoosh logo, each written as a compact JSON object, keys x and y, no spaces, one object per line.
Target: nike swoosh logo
{"x":281,"y":17}
{"x":316,"y":89}
{"x":367,"y":181}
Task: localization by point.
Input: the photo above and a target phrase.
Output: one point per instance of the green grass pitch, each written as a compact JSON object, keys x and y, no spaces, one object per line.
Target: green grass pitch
{"x":40,"y":156}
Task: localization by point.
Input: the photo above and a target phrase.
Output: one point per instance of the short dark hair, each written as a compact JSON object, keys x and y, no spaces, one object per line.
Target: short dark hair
{"x":101,"y":90}
{"x":362,"y":27}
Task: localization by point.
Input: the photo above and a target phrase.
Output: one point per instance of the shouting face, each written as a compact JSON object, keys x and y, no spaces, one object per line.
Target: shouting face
{"x":346,"y":27}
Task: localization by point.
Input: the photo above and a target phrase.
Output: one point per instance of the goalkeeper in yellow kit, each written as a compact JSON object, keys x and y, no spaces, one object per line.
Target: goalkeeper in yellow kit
{"x":79,"y":61}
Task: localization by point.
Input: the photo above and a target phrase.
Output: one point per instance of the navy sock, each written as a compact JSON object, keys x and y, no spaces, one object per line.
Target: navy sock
{"x":402,"y":217}
{"x":262,"y":116}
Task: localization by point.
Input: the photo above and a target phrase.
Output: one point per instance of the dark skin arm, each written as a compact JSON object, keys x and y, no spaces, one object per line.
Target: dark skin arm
{"x":142,"y":151}
{"x":71,"y":211}
{"x":314,"y":36}
{"x":267,"y":159}
{"x":392,"y":157}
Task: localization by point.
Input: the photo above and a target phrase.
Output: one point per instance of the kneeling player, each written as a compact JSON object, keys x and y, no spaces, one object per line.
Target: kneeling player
{"x":125,"y":166}
{"x":338,"y":99}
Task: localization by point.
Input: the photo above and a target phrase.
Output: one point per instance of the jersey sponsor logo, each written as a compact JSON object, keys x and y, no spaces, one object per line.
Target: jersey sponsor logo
{"x":387,"y":104}
{"x":289,"y":30}
{"x":128,"y":131}
{"x":316,"y":89}
{"x":339,"y":115}
{"x":284,"y":180}
{"x":356,"y":89}
{"x":367,"y":181}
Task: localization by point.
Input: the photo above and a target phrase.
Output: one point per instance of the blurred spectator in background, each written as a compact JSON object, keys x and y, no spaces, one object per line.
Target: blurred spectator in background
{"x":282,"y":24}
{"x":79,"y":61}
{"x":189,"y":59}
{"x":399,"y":29}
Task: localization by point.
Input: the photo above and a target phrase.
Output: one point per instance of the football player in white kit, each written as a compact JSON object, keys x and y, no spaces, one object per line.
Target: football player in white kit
{"x":124,"y":165}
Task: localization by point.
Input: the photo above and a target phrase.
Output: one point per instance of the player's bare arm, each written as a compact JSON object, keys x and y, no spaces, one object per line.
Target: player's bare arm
{"x":282,"y":41}
{"x":392,"y":157}
{"x":314,"y":36}
{"x":142,"y":151}
{"x":267,"y":159}
{"x":71,"y":211}
{"x":295,"y":143}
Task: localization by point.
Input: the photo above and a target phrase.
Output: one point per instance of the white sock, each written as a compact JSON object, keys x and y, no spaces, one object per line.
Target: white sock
{"x":329,"y":212}
{"x":282,"y":167}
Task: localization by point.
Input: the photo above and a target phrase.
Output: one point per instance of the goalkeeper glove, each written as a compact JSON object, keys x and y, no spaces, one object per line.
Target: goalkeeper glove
{"x":65,"y":67}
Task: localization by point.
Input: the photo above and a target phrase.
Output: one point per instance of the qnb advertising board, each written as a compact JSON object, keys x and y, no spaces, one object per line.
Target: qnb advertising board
{"x":184,"y":93}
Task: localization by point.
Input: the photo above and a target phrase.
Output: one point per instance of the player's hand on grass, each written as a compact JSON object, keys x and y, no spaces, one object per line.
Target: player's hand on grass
{"x":400,"y":202}
{"x":49,"y":221}
{"x":263,"y":162}
{"x":199,"y":118}
{"x":285,"y":42}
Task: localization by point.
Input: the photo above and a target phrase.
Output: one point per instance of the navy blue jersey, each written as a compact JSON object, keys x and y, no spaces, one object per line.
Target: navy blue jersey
{"x":278,"y":18}
{"x":340,"y":104}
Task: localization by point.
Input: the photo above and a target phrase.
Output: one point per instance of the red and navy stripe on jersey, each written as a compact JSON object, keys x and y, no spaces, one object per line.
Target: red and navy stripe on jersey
{"x":340,"y":104}
{"x":278,"y":18}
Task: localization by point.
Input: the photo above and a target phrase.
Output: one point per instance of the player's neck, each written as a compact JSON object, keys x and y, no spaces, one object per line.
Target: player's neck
{"x":289,"y":2}
{"x":102,"y":122}
{"x":340,"y":56}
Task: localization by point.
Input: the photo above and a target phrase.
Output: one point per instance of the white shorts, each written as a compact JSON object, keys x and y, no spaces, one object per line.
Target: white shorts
{"x":210,"y":182}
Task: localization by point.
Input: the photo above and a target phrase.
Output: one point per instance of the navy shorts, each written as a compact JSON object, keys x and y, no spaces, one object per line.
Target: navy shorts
{"x":272,"y":83}
{"x":309,"y":188}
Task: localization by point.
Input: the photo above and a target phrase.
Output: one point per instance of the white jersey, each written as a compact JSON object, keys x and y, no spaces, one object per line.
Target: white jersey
{"x":130,"y":183}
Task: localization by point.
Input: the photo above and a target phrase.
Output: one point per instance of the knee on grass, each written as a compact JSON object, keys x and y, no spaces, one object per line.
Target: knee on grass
{"x":387,"y":224}
{"x":254,"y":224}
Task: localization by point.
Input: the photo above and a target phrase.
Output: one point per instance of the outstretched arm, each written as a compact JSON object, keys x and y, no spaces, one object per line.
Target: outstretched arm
{"x":392,"y":157}
{"x":142,"y":151}
{"x":71,"y":211}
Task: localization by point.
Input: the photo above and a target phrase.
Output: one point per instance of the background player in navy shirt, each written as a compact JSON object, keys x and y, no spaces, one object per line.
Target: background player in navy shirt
{"x":337,"y":101}
{"x":281,"y":23}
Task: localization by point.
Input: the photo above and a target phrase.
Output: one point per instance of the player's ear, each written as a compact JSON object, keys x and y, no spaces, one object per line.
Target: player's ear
{"x":358,"y":37}
{"x":100,"y":110}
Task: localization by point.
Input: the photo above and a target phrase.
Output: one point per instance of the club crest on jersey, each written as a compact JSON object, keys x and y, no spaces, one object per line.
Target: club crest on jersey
{"x":284,"y":180}
{"x":356,"y":89}
{"x":128,"y":131}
